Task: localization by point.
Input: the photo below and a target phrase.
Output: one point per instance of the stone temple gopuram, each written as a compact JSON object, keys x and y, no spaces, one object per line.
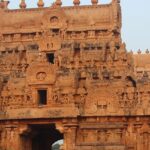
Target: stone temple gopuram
{"x":65,"y":74}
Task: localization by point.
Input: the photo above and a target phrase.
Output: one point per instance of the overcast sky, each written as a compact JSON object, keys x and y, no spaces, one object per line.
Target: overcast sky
{"x":136,"y":20}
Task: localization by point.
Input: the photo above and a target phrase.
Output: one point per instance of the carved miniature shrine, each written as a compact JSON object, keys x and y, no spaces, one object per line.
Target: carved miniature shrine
{"x":66,"y":74}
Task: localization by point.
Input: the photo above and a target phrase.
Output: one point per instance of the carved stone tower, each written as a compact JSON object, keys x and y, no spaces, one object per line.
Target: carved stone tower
{"x":65,"y":74}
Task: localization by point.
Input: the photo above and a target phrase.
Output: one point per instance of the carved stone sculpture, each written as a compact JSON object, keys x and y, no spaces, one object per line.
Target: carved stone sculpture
{"x":67,"y":77}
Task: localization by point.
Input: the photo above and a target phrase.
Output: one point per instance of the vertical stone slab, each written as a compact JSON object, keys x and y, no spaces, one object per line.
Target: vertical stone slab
{"x":10,"y":139}
{"x":70,"y":138}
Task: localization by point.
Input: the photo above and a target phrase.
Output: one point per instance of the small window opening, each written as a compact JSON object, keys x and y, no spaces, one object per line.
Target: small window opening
{"x":63,"y":45}
{"x":82,"y":78}
{"x":95,"y":76}
{"x":99,"y":47}
{"x":42,"y":97}
{"x":77,"y":52}
{"x":118,"y":77}
{"x":50,"y":57}
{"x":107,"y":47}
{"x":76,"y":48}
{"x":86,"y":48}
{"x":117,"y":47}
{"x":5,"y":79}
{"x":3,"y":52}
{"x":106,"y":75}
{"x":55,"y":31}
{"x":92,"y":46}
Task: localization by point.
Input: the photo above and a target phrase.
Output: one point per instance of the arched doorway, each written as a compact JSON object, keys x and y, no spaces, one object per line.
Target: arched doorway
{"x":44,"y":136}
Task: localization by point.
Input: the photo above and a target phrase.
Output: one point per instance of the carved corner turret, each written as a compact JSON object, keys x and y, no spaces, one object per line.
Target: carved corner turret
{"x":117,"y":14}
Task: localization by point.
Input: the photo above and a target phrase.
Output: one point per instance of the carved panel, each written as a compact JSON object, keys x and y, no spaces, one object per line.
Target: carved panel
{"x":46,"y":73}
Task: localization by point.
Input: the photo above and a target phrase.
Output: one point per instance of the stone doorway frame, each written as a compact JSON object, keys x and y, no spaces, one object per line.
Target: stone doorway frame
{"x":28,"y":133}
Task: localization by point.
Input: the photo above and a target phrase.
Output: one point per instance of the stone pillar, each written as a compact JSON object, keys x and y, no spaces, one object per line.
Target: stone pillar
{"x":138,"y":137}
{"x":130,"y":136}
{"x":145,"y":140}
{"x":1,"y":129}
{"x":149,"y":141}
{"x":69,"y":138}
{"x":145,"y":133}
{"x":25,"y":135}
{"x":10,"y":139}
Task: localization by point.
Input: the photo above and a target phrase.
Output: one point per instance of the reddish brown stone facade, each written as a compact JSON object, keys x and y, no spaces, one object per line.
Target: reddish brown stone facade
{"x":66,"y":74}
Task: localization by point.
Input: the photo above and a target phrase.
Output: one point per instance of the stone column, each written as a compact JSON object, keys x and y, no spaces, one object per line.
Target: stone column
{"x":25,"y":137}
{"x":130,"y":137}
{"x":138,"y":137}
{"x":1,"y":129}
{"x":145,"y":140}
{"x":70,"y":138}
{"x":10,"y":139}
{"x":145,"y":132}
{"x":149,"y":141}
{"x":14,"y":137}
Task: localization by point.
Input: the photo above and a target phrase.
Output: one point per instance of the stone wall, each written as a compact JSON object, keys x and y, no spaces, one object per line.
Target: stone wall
{"x":73,"y":70}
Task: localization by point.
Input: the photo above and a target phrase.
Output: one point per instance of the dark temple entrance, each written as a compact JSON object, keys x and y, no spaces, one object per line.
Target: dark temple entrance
{"x":44,"y":136}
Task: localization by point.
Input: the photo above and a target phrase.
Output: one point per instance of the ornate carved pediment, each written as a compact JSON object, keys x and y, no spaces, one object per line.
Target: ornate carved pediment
{"x":41,"y":72}
{"x":54,"y":18}
{"x":49,"y":41}
{"x":54,"y":25}
{"x":100,"y":102}
{"x":44,"y":75}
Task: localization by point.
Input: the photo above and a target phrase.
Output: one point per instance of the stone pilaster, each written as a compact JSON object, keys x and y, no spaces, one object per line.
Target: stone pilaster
{"x":70,"y":138}
{"x":10,"y":139}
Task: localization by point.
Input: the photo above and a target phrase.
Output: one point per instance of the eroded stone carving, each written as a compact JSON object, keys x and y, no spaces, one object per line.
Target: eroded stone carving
{"x":71,"y":70}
